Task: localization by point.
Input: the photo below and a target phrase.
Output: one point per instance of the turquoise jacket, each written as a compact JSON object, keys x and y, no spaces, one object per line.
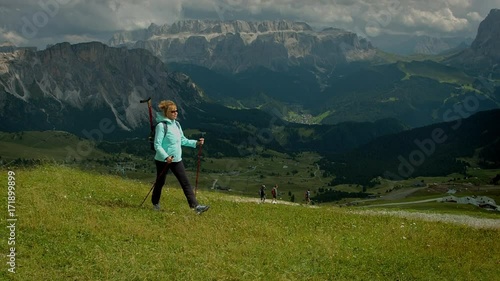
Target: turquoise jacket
{"x":174,"y":139}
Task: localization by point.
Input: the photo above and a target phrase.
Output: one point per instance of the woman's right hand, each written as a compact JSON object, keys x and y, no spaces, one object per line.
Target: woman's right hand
{"x":169,"y":159}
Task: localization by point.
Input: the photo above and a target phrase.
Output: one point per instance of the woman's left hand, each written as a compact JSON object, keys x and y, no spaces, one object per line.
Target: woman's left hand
{"x":201,"y":141}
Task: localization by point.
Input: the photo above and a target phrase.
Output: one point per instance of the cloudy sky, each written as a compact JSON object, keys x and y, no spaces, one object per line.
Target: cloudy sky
{"x":41,"y":22}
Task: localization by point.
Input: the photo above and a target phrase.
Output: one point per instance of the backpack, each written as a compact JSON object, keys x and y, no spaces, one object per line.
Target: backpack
{"x":152,"y":134}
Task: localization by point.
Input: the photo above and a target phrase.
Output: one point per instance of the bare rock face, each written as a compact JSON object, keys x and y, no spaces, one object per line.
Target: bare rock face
{"x":487,"y":42}
{"x":431,"y":45}
{"x":238,"y":45}
{"x":57,"y":87}
{"x":484,"y":54}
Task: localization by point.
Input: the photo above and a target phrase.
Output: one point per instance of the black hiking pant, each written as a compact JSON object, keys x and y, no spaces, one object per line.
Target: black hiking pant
{"x":179,"y":172}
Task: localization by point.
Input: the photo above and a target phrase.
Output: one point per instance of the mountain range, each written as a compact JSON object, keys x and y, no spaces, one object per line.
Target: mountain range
{"x":331,"y":75}
{"x":249,"y":85}
{"x":57,"y":88}
{"x":235,"y":46}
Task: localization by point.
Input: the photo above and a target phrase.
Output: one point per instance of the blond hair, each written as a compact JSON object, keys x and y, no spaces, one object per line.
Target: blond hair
{"x":164,"y":105}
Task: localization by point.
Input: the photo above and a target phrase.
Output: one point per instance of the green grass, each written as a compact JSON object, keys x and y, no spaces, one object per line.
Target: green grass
{"x":434,"y":71}
{"x":75,"y":225}
{"x":393,"y":58}
{"x":48,"y":145}
{"x":244,"y":175}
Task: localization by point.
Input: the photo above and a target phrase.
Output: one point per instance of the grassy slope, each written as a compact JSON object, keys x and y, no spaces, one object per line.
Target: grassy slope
{"x":39,"y":145}
{"x":428,"y":66}
{"x":244,"y":174}
{"x":441,"y":73}
{"x":75,"y":225}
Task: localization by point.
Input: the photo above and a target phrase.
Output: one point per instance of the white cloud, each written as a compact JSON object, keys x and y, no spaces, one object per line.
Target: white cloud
{"x":10,"y":36}
{"x":74,"y":19}
{"x":474,"y":16}
{"x":440,"y":20}
{"x":140,"y":14}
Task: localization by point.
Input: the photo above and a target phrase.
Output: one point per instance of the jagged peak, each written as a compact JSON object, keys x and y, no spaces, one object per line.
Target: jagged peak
{"x":495,"y":11}
{"x":488,"y":33}
{"x":232,"y":26}
{"x":291,"y":43}
{"x":211,"y":28}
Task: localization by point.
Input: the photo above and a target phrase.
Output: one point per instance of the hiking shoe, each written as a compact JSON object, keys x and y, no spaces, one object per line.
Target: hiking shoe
{"x":156,"y":207}
{"x":200,"y":209}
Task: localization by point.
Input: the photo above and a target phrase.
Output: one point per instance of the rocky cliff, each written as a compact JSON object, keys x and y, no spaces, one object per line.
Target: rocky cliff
{"x":57,"y":87}
{"x":484,"y":53}
{"x":238,"y":45}
{"x":487,"y":42}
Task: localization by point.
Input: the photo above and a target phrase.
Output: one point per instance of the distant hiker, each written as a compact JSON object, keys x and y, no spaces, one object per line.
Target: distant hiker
{"x":169,"y":155}
{"x":274,"y":192}
{"x":308,"y":196}
{"x":262,"y":193}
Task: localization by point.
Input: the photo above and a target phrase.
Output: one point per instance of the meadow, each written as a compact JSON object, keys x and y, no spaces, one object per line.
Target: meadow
{"x":81,"y":225}
{"x":242,"y":175}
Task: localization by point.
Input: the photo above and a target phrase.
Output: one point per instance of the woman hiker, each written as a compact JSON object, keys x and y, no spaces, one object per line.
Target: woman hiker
{"x":168,"y":155}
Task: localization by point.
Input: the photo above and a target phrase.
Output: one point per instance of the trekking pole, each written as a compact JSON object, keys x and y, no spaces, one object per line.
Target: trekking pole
{"x":147,"y":194}
{"x":159,"y":176}
{"x":148,"y":100}
{"x":198,"y":166}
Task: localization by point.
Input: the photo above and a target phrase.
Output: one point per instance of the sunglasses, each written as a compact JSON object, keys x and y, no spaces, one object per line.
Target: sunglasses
{"x":173,"y":111}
